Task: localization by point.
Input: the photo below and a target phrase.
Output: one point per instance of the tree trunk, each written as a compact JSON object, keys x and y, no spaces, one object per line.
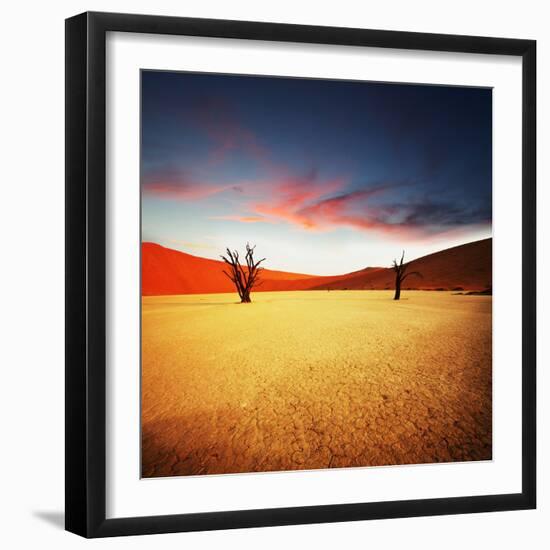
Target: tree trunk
{"x":397,"y":289}
{"x":401,"y":274}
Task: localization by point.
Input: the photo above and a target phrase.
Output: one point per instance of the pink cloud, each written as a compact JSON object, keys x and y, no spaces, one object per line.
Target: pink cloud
{"x":290,"y":196}
{"x":220,"y":122}
{"x":175,"y":184}
{"x":407,"y":220}
{"x":307,"y":203}
{"x":336,"y":211}
{"x":311,"y":204}
{"x":176,"y":191}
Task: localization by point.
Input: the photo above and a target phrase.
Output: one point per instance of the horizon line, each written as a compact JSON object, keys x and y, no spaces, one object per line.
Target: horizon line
{"x":319,"y":276}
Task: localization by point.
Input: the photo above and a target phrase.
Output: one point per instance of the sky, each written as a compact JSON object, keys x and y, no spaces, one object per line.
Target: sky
{"x":324,"y":176}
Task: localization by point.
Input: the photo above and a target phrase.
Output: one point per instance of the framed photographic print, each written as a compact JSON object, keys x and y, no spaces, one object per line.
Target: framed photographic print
{"x":300,"y":274}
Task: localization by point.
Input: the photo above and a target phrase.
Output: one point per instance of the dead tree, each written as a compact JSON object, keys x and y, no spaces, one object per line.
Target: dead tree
{"x":401,"y":274}
{"x":244,"y":278}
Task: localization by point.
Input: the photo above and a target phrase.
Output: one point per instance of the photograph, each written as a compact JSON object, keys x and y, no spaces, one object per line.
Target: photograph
{"x":316,"y":274}
{"x":290,"y":287}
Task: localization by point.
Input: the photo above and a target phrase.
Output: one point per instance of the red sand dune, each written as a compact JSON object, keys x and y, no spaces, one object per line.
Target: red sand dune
{"x":468,"y":267}
{"x":166,"y":271}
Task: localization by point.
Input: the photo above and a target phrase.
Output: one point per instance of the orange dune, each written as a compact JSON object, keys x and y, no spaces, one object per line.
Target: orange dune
{"x":467,"y":267}
{"x":165,"y":271}
{"x":168,"y":272}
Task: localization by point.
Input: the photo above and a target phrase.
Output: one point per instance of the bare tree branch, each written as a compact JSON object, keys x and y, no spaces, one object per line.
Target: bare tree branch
{"x":244,"y":278}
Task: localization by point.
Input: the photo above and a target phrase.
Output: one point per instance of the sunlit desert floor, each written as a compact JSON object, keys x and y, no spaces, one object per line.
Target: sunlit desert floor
{"x":314,"y":379}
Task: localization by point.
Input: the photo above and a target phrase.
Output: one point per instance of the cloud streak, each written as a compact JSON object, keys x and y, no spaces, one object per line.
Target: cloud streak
{"x":171,"y":183}
{"x":313,"y":204}
{"x":218,"y":119}
{"x":288,"y":197}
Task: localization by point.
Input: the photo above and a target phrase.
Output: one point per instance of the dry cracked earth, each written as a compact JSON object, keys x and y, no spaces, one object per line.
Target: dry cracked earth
{"x":307,"y":380}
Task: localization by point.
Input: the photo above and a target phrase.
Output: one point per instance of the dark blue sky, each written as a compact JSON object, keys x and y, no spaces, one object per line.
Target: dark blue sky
{"x":317,"y":161}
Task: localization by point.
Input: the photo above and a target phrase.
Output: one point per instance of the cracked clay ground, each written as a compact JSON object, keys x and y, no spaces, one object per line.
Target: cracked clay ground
{"x":305,"y":380}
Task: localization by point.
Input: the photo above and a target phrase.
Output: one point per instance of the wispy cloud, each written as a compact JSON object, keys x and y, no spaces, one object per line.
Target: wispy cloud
{"x":222,"y":124}
{"x":341,"y":210}
{"x":313,"y":204}
{"x":219,"y":121}
{"x":287,"y":198}
{"x":177,"y":184}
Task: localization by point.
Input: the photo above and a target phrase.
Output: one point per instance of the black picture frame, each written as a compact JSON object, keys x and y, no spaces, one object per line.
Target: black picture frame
{"x":86,"y":279}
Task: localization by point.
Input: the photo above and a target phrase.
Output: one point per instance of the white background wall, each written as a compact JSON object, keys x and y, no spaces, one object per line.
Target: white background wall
{"x":32,"y":263}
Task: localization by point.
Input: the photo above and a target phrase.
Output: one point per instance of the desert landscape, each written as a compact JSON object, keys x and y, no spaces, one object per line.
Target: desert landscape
{"x":316,"y":273}
{"x":319,"y":378}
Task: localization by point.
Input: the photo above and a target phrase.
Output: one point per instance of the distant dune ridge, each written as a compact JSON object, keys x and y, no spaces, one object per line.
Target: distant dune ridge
{"x":169,"y":272}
